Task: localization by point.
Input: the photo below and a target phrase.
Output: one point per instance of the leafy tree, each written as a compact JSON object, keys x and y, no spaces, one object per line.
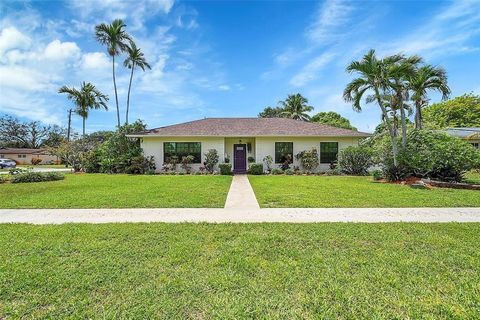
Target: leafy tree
{"x":463,"y":111}
{"x":296,"y":107}
{"x":272,"y":112}
{"x":355,"y":160}
{"x":333,"y":119}
{"x":427,"y":78}
{"x":134,"y":59}
{"x":116,"y":39}
{"x":88,"y":97}
{"x":17,"y":134}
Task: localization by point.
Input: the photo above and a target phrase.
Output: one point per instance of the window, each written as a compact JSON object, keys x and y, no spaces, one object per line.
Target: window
{"x":476,"y":145}
{"x":328,"y":152}
{"x":22,"y":155}
{"x":283,"y":151}
{"x":182,"y":149}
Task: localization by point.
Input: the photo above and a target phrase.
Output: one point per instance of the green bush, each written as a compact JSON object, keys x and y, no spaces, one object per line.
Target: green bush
{"x":277,"y":171}
{"x":289,"y":172}
{"x":355,"y":160}
{"x":437,"y":155}
{"x":186,"y":163}
{"x":3,"y":178}
{"x":36,"y":177}
{"x":225,"y":169}
{"x":308,"y":159}
{"x":251,"y":159}
{"x":256,"y":168}
{"x":376,"y":174}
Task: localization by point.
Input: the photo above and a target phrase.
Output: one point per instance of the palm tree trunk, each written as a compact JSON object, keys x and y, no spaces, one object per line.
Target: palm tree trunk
{"x":128,"y":96}
{"x":115,"y":88}
{"x":83,"y":118}
{"x":389,"y":127}
{"x":418,"y":115}
{"x":403,"y":119}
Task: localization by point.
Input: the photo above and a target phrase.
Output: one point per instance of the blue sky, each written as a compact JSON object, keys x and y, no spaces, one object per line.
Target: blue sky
{"x":223,"y":58}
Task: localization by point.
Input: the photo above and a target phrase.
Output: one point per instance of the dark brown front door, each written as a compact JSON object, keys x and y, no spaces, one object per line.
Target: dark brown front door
{"x":239,"y":158}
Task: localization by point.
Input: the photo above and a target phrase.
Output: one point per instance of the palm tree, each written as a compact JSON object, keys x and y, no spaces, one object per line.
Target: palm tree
{"x":88,"y":97}
{"x":426,"y":78}
{"x":373,"y":76}
{"x":135,"y":58}
{"x":115,"y":38}
{"x":296,"y":107}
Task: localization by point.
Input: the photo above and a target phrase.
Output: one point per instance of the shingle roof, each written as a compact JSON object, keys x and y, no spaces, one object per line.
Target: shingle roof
{"x":235,"y":127}
{"x":22,"y":151}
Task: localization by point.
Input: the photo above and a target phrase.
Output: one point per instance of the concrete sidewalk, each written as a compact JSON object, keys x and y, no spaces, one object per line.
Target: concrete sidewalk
{"x":292,"y":215}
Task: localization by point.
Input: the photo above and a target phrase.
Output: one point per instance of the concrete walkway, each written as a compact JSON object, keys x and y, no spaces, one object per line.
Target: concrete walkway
{"x":36,"y":169}
{"x":295,"y":215}
{"x":241,"y":195}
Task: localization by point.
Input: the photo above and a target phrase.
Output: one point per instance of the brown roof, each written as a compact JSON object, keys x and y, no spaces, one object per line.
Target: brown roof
{"x":22,"y":151}
{"x":235,"y":127}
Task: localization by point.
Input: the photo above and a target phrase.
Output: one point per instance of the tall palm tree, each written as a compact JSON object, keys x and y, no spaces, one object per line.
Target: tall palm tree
{"x":135,"y":58}
{"x":115,"y":38}
{"x":373,"y":76}
{"x":296,"y":107}
{"x":88,"y":97}
{"x":426,"y":78}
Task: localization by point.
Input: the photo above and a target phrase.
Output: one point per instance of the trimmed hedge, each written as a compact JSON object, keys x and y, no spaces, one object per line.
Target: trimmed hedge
{"x":225,"y":169}
{"x":256,"y":169}
{"x":37,"y":177}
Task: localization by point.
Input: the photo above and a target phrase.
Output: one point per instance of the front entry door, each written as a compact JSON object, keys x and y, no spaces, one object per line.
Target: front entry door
{"x":239,"y":158}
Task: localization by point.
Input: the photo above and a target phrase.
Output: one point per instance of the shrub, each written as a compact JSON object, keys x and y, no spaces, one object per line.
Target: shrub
{"x":286,"y":164}
{"x":256,"y":169}
{"x":268,"y":160}
{"x":3,"y":178}
{"x":438,"y":155}
{"x":308,"y":159}
{"x":289,"y":172}
{"x":35,"y":161}
{"x":277,"y":171}
{"x":333,"y":172}
{"x":225,"y":169}
{"x":396,"y":173}
{"x":141,"y":165}
{"x":355,"y":160}
{"x":186,"y":163}
{"x":376,"y":174}
{"x":211,"y":160}
{"x":170,"y":164}
{"x":251,"y":159}
{"x":90,"y":161}
{"x":36,"y":177}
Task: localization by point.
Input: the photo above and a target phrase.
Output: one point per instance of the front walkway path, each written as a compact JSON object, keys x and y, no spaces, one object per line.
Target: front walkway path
{"x":241,"y":195}
{"x":295,"y":215}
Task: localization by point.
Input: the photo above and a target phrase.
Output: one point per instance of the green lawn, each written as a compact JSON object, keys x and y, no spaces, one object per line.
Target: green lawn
{"x":118,"y":191}
{"x":235,"y":271}
{"x":345,"y":191}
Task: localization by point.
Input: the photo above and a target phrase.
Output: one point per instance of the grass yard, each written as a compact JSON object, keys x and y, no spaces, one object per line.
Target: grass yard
{"x":118,"y":191}
{"x":347,"y":191}
{"x":235,"y":271}
{"x":473,"y":177}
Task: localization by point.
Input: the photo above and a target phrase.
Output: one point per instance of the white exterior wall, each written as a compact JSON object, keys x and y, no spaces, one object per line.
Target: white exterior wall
{"x":266,"y":146}
{"x":153,"y":146}
{"x":261,"y":147}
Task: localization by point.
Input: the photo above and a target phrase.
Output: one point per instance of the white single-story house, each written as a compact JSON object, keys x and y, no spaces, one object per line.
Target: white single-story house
{"x":471,"y":135}
{"x":25,"y":155}
{"x":246,"y":140}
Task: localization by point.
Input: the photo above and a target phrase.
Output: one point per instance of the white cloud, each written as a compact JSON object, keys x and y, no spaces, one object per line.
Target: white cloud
{"x":224,"y":87}
{"x":330,"y":16}
{"x":311,"y":70}
{"x":95,"y":61}
{"x":58,"y":51}
{"x":11,"y":38}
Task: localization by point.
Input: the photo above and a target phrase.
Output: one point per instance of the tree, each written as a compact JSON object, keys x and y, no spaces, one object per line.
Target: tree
{"x":115,"y":38}
{"x":88,"y":97}
{"x":33,"y":134}
{"x":373,"y":77}
{"x":427,"y":78}
{"x":272,"y":112}
{"x":296,"y":107}
{"x":462,"y":111}
{"x":333,"y":119}
{"x":135,"y":58}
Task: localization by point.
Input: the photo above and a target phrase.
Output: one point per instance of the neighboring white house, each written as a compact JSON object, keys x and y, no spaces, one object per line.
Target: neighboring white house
{"x":239,"y":139}
{"x":471,"y":135}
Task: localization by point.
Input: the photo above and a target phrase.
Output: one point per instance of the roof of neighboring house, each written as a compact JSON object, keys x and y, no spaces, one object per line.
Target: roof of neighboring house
{"x":235,"y":127}
{"x":22,"y":151}
{"x":464,"y":133}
